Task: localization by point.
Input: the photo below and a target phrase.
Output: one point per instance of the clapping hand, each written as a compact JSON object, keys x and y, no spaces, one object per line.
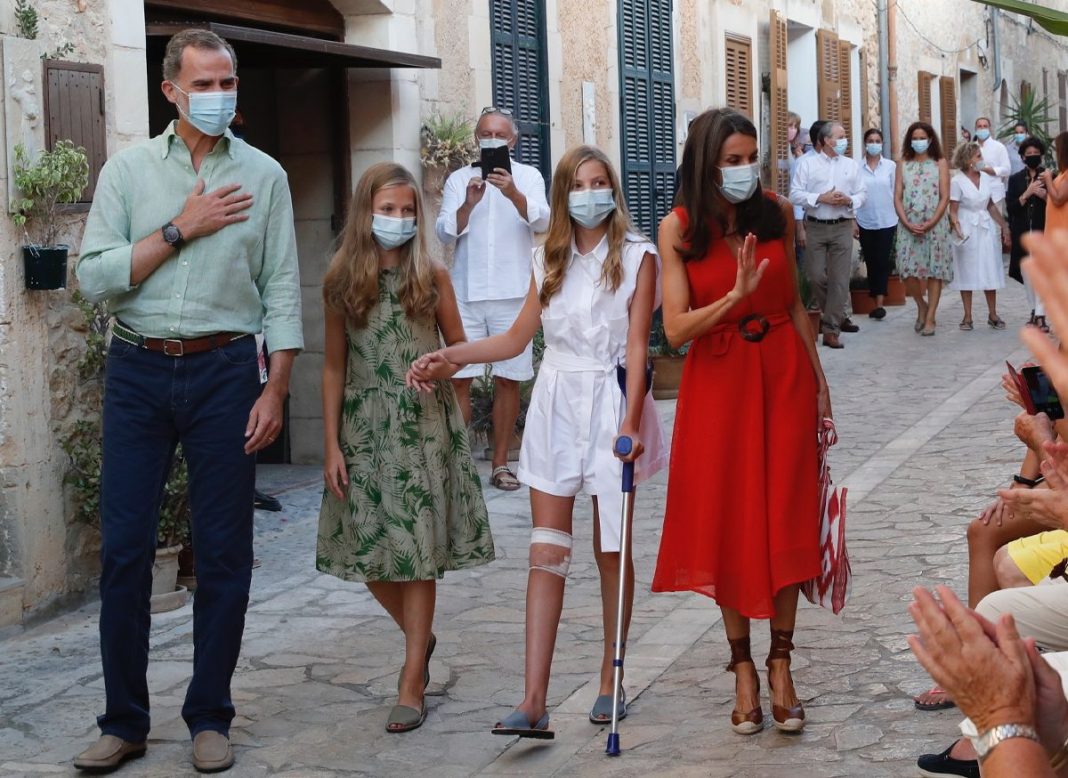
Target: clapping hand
{"x":749,"y":272}
{"x":1048,"y":273}
{"x":1048,"y":507}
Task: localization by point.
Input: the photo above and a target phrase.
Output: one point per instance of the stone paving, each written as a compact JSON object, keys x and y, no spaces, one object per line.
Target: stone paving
{"x":926,"y":438}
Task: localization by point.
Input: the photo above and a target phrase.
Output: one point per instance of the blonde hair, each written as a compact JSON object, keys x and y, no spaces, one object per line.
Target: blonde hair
{"x":561,"y":230}
{"x":962,"y":155}
{"x":350,"y":286}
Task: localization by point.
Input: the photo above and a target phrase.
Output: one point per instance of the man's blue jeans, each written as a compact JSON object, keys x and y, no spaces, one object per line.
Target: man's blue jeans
{"x":151,"y":403}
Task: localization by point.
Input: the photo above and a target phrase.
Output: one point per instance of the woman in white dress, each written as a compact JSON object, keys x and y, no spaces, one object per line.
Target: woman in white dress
{"x":980,"y":232}
{"x":593,"y":291}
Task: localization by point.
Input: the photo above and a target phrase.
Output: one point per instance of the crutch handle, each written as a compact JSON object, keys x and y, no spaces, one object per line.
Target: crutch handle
{"x":624,"y":445}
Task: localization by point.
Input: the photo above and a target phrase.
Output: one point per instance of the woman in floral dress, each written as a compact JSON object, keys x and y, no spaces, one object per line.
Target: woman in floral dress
{"x":921,"y":197}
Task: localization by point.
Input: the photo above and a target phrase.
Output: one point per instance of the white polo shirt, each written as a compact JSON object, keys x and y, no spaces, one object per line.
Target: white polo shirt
{"x":818,"y":174}
{"x":493,"y":253}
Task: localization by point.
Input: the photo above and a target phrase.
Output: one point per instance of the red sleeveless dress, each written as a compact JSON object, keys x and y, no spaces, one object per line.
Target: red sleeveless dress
{"x":741,"y":519}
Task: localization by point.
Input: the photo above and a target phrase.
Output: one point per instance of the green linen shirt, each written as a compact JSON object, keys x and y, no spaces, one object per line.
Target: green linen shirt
{"x":243,"y":278}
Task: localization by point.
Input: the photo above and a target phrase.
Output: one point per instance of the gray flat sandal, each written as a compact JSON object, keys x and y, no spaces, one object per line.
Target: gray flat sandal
{"x":404,"y":719}
{"x":517,"y":724}
{"x":601,"y":713}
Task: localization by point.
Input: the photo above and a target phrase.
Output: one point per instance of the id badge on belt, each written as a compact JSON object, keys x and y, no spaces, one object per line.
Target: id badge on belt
{"x":261,"y":358}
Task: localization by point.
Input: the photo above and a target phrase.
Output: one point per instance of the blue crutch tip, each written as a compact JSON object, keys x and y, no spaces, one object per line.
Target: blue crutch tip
{"x":613,"y":744}
{"x":624,"y":445}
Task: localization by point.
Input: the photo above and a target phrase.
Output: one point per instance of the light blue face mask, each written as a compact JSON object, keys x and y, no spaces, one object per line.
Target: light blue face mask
{"x":739,"y":182}
{"x":392,"y":231}
{"x":1019,"y":137}
{"x":920,"y":146}
{"x":590,"y":207}
{"x":492,"y":143}
{"x":874,"y":149}
{"x":982,"y":134}
{"x":840,"y":146}
{"x":209,"y":112}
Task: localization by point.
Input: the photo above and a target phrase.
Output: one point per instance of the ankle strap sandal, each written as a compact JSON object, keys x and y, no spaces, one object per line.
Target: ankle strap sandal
{"x":790,"y":719}
{"x":752,"y":722}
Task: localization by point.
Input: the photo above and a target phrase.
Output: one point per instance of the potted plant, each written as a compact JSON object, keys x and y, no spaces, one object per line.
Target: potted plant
{"x":55,"y":178}
{"x":859,"y":295}
{"x":667,"y":361}
{"x":481,"y":395}
{"x":808,"y":299}
{"x":447,"y":144}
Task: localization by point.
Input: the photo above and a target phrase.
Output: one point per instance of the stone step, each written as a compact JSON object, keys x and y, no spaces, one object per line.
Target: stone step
{"x":10,"y":601}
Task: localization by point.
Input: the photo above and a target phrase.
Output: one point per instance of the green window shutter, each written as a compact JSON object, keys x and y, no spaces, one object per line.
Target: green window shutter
{"x":520,"y":75}
{"x":647,"y":107}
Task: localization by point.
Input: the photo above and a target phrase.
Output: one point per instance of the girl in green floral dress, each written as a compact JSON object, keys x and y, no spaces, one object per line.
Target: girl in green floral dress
{"x":403,"y":501}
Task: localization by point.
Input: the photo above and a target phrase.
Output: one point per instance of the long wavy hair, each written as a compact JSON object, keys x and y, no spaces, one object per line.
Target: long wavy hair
{"x":350,"y":286}
{"x":934,"y":148}
{"x":562,"y":230}
{"x":701,"y":196}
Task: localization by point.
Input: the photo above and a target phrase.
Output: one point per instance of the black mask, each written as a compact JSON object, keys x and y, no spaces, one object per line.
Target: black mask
{"x":1033,"y":161}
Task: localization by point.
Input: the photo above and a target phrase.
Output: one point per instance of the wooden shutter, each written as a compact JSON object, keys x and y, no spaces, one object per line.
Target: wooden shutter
{"x":924,"y":92}
{"x":1062,"y":99}
{"x":780,"y":106}
{"x":647,"y":108}
{"x":1025,"y":90}
{"x":845,"y":89}
{"x":947,"y":88}
{"x":520,"y":75}
{"x":739,"y":74}
{"x":74,"y":111}
{"x":829,"y":70}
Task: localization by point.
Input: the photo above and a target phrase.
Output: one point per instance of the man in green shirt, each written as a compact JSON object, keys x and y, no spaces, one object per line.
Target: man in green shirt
{"x":191,"y":242}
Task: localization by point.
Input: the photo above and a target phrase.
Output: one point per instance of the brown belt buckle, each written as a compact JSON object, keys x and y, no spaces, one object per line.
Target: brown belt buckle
{"x":756,"y":333}
{"x":173,"y":347}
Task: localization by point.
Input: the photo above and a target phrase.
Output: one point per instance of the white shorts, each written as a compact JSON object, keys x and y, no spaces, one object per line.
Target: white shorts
{"x":485,"y":318}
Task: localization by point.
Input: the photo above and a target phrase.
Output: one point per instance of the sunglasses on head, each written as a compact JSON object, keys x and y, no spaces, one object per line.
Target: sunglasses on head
{"x":495,"y":109}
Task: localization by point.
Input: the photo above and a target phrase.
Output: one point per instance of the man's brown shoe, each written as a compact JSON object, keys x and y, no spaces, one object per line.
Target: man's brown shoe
{"x":212,"y":752}
{"x":108,"y":753}
{"x":831,"y":341}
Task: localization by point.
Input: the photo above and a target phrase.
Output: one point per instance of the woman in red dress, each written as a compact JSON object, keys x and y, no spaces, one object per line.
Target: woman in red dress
{"x":742,"y":524}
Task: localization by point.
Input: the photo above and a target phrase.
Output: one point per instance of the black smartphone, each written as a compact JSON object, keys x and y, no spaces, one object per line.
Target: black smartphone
{"x":491,"y":159}
{"x":1043,"y":395}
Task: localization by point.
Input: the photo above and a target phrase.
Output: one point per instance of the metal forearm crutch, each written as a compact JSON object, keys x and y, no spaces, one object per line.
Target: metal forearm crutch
{"x":623,"y":447}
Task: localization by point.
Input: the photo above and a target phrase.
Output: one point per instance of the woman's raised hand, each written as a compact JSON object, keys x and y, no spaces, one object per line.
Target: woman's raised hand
{"x":749,"y":272}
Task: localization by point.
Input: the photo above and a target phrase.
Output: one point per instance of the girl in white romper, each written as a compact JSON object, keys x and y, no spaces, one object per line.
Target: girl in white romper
{"x":594,"y":289}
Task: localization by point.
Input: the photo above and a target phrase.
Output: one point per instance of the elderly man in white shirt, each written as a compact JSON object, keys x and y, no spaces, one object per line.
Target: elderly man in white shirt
{"x":829,"y":187}
{"x":492,"y":223}
{"x":995,"y":155}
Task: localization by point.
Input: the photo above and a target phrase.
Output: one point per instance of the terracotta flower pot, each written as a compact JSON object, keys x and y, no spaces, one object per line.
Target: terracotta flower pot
{"x":895,"y":291}
{"x":862,"y":301}
{"x":815,"y":319}
{"x":667,"y":374}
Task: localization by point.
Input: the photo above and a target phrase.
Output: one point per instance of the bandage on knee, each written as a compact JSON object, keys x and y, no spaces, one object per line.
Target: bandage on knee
{"x":550,"y":550}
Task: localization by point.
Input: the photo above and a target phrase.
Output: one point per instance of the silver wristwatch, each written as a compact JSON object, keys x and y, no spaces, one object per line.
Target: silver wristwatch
{"x":987,"y":741}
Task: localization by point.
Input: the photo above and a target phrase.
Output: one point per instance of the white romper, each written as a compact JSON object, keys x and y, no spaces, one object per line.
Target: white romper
{"x":577,"y":406}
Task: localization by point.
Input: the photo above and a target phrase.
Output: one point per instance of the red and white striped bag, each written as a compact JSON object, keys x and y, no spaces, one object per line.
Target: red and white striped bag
{"x":830,"y":589}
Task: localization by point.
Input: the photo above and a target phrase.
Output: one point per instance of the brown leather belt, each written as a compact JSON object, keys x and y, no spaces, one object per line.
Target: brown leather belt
{"x":175,"y":347}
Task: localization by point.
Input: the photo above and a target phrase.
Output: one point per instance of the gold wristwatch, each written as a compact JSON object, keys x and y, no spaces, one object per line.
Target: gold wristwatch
{"x":987,"y":741}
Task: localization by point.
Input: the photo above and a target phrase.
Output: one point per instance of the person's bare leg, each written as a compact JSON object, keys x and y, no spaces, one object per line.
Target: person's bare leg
{"x":608,"y":567}
{"x":914,"y":289}
{"x":505,"y":414}
{"x":1008,"y":573}
{"x":782,"y":691}
{"x":545,"y":601}
{"x":966,"y":301}
{"x":463,"y":395}
{"x":991,"y":304}
{"x":418,"y":604}
{"x":390,"y":595}
{"x":934,"y":295}
{"x":983,"y":542}
{"x":746,"y":680}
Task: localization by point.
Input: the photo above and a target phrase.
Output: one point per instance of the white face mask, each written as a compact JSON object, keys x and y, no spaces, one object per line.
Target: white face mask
{"x":209,"y":112}
{"x":392,"y":231}
{"x":840,"y":146}
{"x":982,"y":134}
{"x":492,"y":143}
{"x":739,"y":182}
{"x":590,"y":207}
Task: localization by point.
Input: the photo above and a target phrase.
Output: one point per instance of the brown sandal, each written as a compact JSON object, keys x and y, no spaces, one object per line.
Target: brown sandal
{"x":786,"y":719}
{"x":752,"y":722}
{"x":504,"y":479}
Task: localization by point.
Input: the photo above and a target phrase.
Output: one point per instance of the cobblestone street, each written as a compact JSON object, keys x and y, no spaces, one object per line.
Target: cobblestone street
{"x":926,"y":437}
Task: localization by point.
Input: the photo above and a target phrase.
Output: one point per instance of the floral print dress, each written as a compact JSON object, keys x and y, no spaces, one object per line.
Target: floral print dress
{"x":931,"y":255}
{"x":415,"y":506}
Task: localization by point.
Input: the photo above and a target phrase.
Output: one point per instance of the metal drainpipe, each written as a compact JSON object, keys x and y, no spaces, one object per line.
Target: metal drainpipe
{"x":884,"y":80}
{"x":891,"y":73}
{"x":995,"y":14}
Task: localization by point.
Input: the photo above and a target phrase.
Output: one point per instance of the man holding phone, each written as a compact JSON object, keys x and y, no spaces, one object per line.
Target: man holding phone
{"x":490,"y":211}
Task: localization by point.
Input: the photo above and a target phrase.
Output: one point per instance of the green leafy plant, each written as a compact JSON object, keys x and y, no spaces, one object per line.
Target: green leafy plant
{"x":26,"y":19}
{"x":91,"y":364}
{"x":1034,"y":114}
{"x":447,"y":142}
{"x":658,"y":341}
{"x":56,"y":177}
{"x":482,"y":395}
{"x":62,"y":51}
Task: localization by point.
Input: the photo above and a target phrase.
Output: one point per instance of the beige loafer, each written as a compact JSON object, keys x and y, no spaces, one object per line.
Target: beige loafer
{"x":108,"y":753}
{"x":212,"y":752}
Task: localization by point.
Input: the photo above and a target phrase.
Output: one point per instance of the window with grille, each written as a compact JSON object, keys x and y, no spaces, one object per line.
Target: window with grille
{"x":520,"y":75}
{"x":739,"y":74}
{"x":74,"y":111}
{"x":647,"y":110}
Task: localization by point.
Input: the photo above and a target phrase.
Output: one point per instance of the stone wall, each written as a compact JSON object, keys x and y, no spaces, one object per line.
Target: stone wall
{"x":45,"y":555}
